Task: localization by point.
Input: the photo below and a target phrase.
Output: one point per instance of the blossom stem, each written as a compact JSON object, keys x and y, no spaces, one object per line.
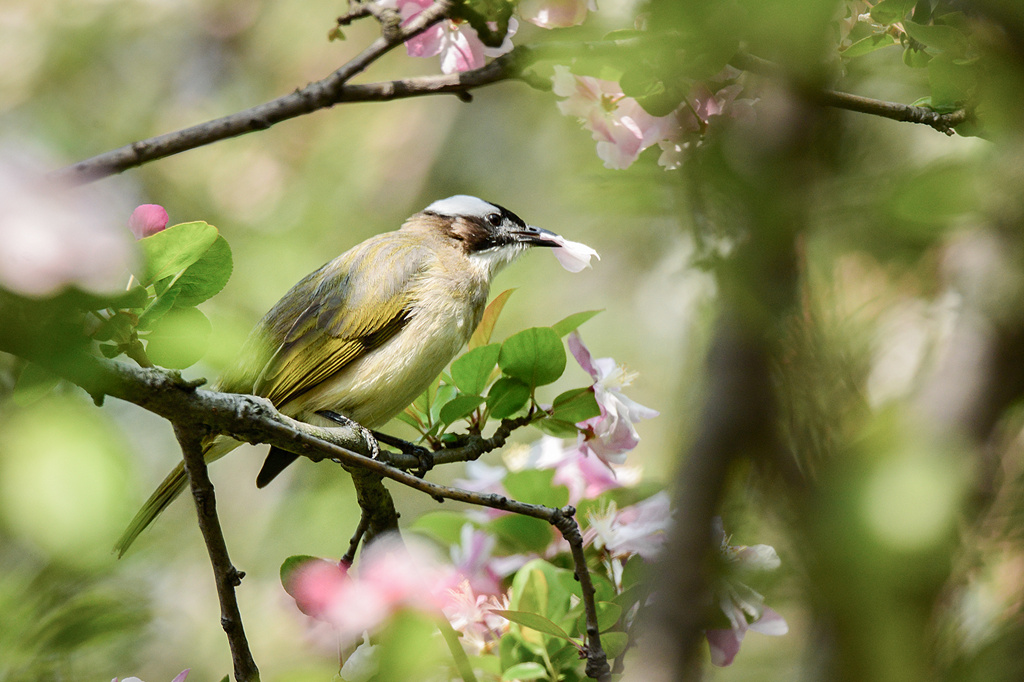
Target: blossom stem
{"x":451,"y":638}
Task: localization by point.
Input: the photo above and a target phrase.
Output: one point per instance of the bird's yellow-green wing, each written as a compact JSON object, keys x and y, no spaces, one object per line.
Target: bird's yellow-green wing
{"x":342,"y":311}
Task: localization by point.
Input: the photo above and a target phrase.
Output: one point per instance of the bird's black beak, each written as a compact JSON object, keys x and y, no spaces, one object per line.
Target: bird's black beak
{"x":535,"y":236}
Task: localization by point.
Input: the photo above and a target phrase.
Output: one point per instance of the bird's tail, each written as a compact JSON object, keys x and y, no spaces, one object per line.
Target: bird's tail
{"x":167,"y":491}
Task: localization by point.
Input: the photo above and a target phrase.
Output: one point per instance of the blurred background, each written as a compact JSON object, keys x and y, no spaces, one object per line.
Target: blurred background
{"x":903,"y":234}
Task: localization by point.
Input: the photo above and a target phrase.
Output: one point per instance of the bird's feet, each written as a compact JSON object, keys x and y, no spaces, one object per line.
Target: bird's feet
{"x":425,"y":456}
{"x":368,"y":436}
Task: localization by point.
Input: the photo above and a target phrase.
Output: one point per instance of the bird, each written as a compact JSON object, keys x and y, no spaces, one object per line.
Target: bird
{"x":360,"y":338}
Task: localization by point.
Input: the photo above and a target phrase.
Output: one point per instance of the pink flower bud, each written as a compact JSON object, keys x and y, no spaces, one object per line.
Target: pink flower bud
{"x":147,"y":219}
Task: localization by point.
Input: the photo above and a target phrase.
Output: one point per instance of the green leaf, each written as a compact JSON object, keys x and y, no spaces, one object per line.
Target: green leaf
{"x":891,"y":11}
{"x":174,"y":249}
{"x":459,"y":407}
{"x":535,"y":355}
{"x":179,"y":338}
{"x":614,"y":643}
{"x":916,"y":59}
{"x":529,"y":670}
{"x":473,"y":370}
{"x":571,"y":323}
{"x":952,"y":83}
{"x":445,"y":394}
{"x":935,"y":195}
{"x":530,"y":589}
{"x":118,"y":327}
{"x":110,"y":350}
{"x":33,"y":383}
{"x":157,"y":309}
{"x":534,"y":486}
{"x":869,"y":44}
{"x":206,"y":277}
{"x":443,"y":526}
{"x":136,"y":297}
{"x":534,"y":622}
{"x":506,"y":397}
{"x":482,"y":334}
{"x":608,"y":614}
{"x":576,"y":405}
{"x":938,"y":37}
{"x":649,"y":91}
{"x":634,"y":571}
{"x":557,"y":427}
{"x":521,"y":534}
{"x":289,"y":566}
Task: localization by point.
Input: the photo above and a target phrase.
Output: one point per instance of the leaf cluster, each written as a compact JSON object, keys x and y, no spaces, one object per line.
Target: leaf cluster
{"x":936,"y":36}
{"x":184,"y":265}
{"x":500,"y":381}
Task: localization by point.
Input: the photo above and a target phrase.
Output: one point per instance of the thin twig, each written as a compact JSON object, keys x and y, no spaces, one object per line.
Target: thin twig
{"x":319,"y":95}
{"x":908,"y":113}
{"x":335,"y":89}
{"x":226,"y":576}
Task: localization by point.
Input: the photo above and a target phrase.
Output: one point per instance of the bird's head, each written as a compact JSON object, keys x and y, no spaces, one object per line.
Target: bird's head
{"x":490,"y":235}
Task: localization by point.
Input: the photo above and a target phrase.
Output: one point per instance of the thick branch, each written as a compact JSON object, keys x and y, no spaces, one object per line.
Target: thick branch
{"x":227,"y":578}
{"x":255,"y":420}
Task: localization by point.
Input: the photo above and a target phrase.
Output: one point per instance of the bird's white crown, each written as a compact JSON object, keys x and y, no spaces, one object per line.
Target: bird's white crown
{"x":462,"y":204}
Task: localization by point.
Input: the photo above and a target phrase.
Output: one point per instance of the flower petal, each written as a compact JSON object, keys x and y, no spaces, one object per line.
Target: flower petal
{"x":770,"y":623}
{"x":724,"y":645}
{"x":148,"y":219}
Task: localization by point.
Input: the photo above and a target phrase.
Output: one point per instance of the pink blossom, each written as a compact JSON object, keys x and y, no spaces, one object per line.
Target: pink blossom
{"x":585,"y":477}
{"x":618,"y":123}
{"x":694,"y":117}
{"x":54,"y":237}
{"x":637,"y":529}
{"x":180,"y":677}
{"x":556,"y":13}
{"x":742,"y":605}
{"x":475,"y":564}
{"x":611,"y":434}
{"x":483,"y":478}
{"x":391,"y":577}
{"x":147,"y":219}
{"x":457,"y":42}
{"x":473,"y":616}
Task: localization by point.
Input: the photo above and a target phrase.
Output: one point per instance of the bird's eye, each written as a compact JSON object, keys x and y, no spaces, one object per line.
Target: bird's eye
{"x":494,"y":219}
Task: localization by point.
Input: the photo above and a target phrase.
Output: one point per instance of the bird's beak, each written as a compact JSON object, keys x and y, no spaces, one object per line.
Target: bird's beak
{"x":535,"y":236}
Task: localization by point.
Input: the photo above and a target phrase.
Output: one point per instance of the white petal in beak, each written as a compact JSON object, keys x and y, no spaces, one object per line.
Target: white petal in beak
{"x":573,"y":256}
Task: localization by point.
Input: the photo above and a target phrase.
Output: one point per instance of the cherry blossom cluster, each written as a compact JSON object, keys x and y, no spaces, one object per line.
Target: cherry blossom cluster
{"x":180,"y":677}
{"x":459,"y":46}
{"x":619,"y":124}
{"x":623,"y":129}
{"x":742,"y":605}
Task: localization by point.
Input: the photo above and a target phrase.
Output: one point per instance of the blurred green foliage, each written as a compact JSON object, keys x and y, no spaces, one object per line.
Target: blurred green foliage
{"x":904,"y":556}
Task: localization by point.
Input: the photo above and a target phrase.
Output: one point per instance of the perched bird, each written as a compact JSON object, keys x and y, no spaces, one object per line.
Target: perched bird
{"x":364,"y":335}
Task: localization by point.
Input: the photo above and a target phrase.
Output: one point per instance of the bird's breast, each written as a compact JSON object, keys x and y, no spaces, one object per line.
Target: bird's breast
{"x":379,"y":385}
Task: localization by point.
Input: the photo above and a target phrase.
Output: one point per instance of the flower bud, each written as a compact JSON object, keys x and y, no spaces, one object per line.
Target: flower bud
{"x":147,"y":219}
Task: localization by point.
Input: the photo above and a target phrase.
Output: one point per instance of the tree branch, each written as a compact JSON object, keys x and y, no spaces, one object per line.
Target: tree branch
{"x":944,"y":123}
{"x":226,"y":576}
{"x":896,"y":111}
{"x":318,"y":95}
{"x":255,"y":420}
{"x":335,"y":89}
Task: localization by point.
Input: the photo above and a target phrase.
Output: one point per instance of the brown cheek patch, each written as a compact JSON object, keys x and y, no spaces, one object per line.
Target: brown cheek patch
{"x":473,"y":235}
